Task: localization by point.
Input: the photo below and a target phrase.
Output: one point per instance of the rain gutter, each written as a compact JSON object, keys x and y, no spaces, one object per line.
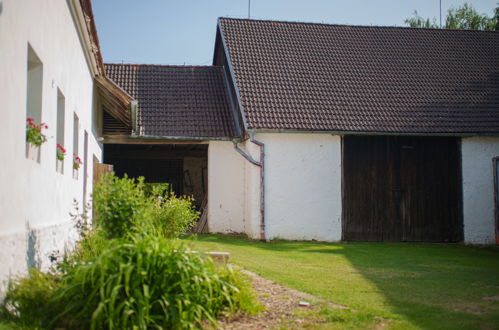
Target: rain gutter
{"x":266,"y":130}
{"x":183,"y":138}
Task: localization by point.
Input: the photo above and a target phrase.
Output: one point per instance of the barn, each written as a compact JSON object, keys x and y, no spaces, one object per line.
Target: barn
{"x":327,"y":132}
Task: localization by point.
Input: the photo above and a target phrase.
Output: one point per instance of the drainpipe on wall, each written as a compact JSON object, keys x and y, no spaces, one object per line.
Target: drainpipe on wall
{"x":260,"y":164}
{"x":133,"y":112}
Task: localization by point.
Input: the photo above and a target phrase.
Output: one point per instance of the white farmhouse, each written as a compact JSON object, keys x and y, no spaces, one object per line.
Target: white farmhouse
{"x":297,"y":131}
{"x":51,"y":72}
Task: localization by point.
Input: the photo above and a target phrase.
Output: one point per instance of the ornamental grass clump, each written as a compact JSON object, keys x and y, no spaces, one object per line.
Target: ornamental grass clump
{"x":150,"y":283}
{"x":140,"y":284}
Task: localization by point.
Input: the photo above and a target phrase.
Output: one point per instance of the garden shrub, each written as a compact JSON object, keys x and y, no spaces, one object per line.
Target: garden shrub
{"x":29,"y":301}
{"x":127,"y":206}
{"x":168,"y":217}
{"x":150,"y":283}
{"x":118,"y":203}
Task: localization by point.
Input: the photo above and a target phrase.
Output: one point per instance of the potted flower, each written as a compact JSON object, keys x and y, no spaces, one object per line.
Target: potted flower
{"x":34,"y":138}
{"x":76,"y":162}
{"x":61,"y":152}
{"x":34,"y":133}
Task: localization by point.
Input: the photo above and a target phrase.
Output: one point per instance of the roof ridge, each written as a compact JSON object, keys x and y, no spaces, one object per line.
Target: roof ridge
{"x":350,"y":25}
{"x":165,"y":65}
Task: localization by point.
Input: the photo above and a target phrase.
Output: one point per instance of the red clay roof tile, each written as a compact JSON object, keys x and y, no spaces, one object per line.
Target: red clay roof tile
{"x":322,"y":77}
{"x":180,"y":101}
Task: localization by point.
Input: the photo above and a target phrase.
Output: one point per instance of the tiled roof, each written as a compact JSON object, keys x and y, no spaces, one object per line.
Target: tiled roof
{"x":305,"y":76}
{"x":177,"y":101}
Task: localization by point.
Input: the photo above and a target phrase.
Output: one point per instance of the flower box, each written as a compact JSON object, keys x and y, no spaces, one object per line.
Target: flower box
{"x":32,"y":152}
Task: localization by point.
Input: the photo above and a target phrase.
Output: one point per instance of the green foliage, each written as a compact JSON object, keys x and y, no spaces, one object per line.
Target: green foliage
{"x":168,"y":217}
{"x":34,"y":133}
{"x":125,"y":273}
{"x":29,"y":301}
{"x":467,"y":18}
{"x":417,"y":21}
{"x":125,"y":207}
{"x":462,"y":18}
{"x":150,"y":283}
{"x":155,"y":189}
{"x":118,"y":204}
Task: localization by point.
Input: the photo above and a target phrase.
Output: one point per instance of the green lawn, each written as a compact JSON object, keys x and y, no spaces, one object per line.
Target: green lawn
{"x":402,"y":285}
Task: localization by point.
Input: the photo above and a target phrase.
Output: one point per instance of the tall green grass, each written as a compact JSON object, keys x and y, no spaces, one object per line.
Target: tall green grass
{"x":140,"y":284}
{"x":150,"y":283}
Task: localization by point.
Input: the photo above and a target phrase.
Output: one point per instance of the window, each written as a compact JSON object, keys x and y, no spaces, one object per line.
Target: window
{"x":60,"y":148}
{"x":34,"y":97}
{"x":76,"y":124}
{"x":34,"y":92}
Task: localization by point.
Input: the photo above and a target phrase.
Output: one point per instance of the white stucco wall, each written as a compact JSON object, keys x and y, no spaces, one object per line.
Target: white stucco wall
{"x":303,"y":186}
{"x":34,"y":199}
{"x":225,"y":189}
{"x":478,"y":189}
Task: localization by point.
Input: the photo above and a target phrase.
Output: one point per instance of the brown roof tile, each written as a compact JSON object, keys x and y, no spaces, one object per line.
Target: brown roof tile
{"x":179,"y":101}
{"x":305,"y":76}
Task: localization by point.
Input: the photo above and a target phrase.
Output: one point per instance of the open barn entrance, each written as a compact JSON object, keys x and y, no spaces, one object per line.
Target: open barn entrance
{"x":183,"y":166}
{"x":402,"y":188}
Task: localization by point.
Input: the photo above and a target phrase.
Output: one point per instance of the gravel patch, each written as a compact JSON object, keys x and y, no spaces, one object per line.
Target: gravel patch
{"x":282,"y":308}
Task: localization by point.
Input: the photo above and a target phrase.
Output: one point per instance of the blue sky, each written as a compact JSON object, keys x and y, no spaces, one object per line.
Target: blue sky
{"x":183,"y":31}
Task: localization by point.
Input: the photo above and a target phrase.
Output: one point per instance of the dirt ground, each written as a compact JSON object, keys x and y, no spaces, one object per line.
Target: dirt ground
{"x":282,"y":308}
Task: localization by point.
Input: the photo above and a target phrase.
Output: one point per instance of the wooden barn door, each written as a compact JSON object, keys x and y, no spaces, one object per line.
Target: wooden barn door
{"x":402,"y":189}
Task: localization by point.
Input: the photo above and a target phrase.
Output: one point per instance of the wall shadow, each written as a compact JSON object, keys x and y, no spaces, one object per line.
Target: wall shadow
{"x":429,"y":285}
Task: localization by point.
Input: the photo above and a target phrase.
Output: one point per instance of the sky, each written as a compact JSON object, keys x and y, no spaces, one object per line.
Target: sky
{"x":183,"y":31}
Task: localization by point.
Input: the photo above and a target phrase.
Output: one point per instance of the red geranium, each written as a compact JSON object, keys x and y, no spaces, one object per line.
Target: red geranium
{"x":76,"y":162}
{"x":61,"y":152}
{"x":34,"y":133}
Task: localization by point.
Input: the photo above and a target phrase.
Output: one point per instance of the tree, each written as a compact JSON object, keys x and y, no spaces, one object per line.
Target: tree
{"x":420,"y":22}
{"x":462,"y":18}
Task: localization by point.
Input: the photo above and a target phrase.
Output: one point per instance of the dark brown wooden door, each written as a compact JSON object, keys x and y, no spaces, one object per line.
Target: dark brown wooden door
{"x":402,"y":189}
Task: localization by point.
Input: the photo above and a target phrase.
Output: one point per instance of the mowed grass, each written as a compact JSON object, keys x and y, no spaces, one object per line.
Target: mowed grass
{"x":393,"y":285}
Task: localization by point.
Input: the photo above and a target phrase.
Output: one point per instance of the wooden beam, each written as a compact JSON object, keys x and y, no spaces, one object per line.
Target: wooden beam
{"x":129,"y":140}
{"x":155,"y":154}
{"x":115,"y":100}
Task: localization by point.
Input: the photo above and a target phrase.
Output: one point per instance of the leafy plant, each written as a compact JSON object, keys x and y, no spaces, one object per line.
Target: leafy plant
{"x":168,"y":217}
{"x":29,"y":301}
{"x":118,"y":204}
{"x":156,"y":189}
{"x":60,"y":152}
{"x":150,"y":283}
{"x":76,"y":162}
{"x":34,"y":133}
{"x":127,"y":206}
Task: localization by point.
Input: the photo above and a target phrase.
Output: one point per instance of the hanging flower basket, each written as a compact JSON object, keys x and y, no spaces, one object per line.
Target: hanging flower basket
{"x":61,"y":152}
{"x":76,"y":162}
{"x":34,"y":133}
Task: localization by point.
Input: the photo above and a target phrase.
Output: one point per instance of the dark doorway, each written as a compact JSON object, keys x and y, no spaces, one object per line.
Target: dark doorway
{"x":183,"y":166}
{"x":401,"y":188}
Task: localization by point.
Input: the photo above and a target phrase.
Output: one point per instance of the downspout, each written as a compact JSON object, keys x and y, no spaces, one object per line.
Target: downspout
{"x":133,"y":114}
{"x":260,"y":164}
